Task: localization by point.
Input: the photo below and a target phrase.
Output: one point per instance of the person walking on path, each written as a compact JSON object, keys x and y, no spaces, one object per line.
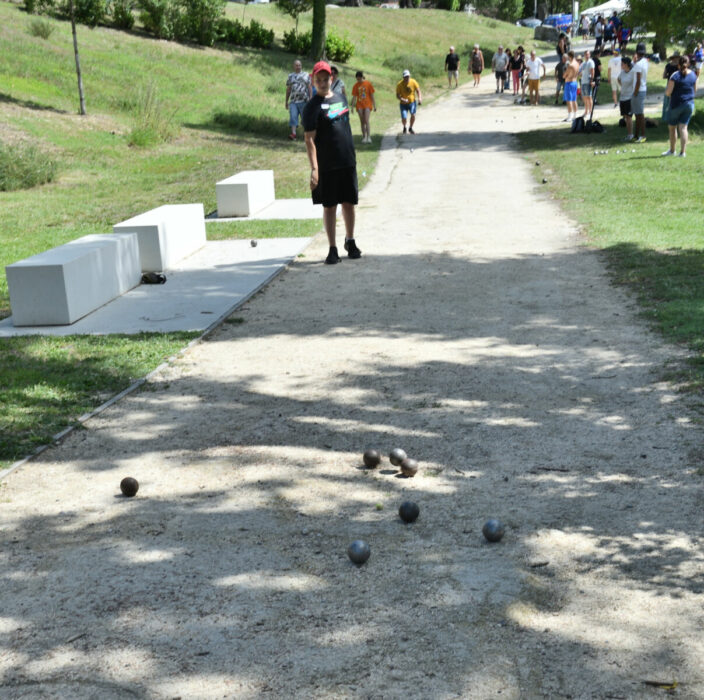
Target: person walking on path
{"x":333,"y":163}
{"x":681,"y":88}
{"x":586,"y":71}
{"x":627,"y":81}
{"x":640,"y":68}
{"x":613,"y":70}
{"x":517,"y":64}
{"x":476,"y":64}
{"x":560,"y":69}
{"x":452,"y":64}
{"x":409,"y":97}
{"x":337,"y":84}
{"x":534,"y":65}
{"x":584,"y":27}
{"x":499,"y":64}
{"x":298,"y":92}
{"x":363,"y":101}
{"x":571,"y":73}
{"x":598,"y":33}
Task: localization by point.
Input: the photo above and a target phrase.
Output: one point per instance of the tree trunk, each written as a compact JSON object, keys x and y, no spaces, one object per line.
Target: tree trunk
{"x":81,"y":96}
{"x":317,"y":47}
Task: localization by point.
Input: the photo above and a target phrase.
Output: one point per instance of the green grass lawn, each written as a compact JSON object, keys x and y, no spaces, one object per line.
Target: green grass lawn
{"x":226,"y":111}
{"x":644,"y":212}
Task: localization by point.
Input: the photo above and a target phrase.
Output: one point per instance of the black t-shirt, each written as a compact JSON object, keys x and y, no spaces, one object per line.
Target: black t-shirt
{"x":452,"y":61}
{"x":329,"y":117}
{"x":516,"y":62}
{"x":597,"y":67}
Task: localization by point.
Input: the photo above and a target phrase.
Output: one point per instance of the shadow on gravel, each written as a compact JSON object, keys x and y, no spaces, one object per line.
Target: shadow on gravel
{"x":508,"y":405}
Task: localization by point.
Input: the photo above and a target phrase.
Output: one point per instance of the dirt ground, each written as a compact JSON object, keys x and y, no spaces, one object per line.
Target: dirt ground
{"x":478,"y":334}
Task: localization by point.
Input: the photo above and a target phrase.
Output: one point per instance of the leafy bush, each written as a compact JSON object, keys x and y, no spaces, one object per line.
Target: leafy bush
{"x":38,"y":6}
{"x":153,"y":123}
{"x":298,"y":44}
{"x":258,"y":36}
{"x":122,"y":16}
{"x":418,"y":64}
{"x":197,"y":20}
{"x":41,"y":28}
{"x":90,"y":12}
{"x":157,"y":16}
{"x":338,"y":48}
{"x":22,"y":167}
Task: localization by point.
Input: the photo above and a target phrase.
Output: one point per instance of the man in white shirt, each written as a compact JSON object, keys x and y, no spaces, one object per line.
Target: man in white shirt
{"x":598,"y":33}
{"x":534,"y":64}
{"x":640,"y":68}
{"x":586,"y":71}
{"x":614,"y":66}
{"x":626,"y":79}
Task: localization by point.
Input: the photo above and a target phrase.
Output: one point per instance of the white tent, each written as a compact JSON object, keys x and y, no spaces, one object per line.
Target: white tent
{"x":607,"y":9}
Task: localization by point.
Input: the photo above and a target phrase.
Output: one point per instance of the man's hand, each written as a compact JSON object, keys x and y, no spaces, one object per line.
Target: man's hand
{"x":313,"y":178}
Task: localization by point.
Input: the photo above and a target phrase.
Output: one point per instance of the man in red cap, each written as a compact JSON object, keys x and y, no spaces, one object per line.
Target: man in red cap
{"x":333,"y":163}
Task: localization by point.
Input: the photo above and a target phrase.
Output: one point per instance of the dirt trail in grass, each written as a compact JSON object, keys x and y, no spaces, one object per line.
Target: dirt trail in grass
{"x":477,"y":334}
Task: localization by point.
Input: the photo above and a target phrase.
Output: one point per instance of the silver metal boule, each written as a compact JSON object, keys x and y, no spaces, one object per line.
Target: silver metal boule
{"x":396,"y":456}
{"x":493,"y":530}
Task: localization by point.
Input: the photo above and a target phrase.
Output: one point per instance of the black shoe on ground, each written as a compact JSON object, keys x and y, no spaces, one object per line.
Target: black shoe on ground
{"x":333,"y":258}
{"x":352,"y":250}
{"x":411,"y":131}
{"x":404,"y":129}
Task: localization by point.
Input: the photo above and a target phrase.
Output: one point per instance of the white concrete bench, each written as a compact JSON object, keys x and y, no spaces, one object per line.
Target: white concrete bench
{"x":245,"y":194}
{"x":61,"y":285}
{"x":166,"y":234}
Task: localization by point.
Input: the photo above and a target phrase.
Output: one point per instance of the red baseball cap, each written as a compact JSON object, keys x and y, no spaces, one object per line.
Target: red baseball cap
{"x":321,"y":66}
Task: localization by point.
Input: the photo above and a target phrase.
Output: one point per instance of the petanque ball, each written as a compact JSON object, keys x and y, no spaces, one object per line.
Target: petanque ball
{"x":537,"y":162}
{"x":408,"y":511}
{"x":253,"y":244}
{"x":396,"y":456}
{"x":544,"y":181}
{"x":493,"y":530}
{"x":371,"y":459}
{"x":359,"y":552}
{"x":409,"y":467}
{"x":129,"y":486}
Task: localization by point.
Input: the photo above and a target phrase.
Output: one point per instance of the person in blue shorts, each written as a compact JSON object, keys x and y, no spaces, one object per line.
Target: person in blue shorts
{"x":409,"y":97}
{"x":570,"y":93}
{"x":681,"y":88}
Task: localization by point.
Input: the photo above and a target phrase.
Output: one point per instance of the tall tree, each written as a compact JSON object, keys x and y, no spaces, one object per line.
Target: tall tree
{"x":317,"y":47}
{"x":294,"y":8}
{"x":81,"y":96}
{"x":668,"y":19}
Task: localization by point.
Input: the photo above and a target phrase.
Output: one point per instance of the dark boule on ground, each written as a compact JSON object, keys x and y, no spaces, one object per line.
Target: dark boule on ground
{"x":359,"y":552}
{"x":408,"y":511}
{"x":493,"y":530}
{"x":409,"y":467}
{"x":371,"y":459}
{"x":253,"y":243}
{"x":129,"y":486}
{"x":396,"y":456}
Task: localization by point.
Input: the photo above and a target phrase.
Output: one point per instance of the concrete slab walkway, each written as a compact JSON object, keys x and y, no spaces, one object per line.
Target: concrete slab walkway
{"x":478,"y":334}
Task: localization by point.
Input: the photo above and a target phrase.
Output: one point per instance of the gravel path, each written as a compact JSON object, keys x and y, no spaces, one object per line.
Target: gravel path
{"x":477,"y":334}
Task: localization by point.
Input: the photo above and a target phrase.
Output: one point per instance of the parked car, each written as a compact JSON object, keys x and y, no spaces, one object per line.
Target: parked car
{"x":531,"y":22}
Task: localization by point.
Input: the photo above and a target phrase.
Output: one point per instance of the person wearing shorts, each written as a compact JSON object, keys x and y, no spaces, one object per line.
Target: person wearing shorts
{"x":534,"y":65}
{"x":499,"y":64}
{"x":452,"y":66}
{"x":406,"y":91}
{"x":298,"y":92}
{"x":363,"y":101}
{"x":587,"y":83}
{"x":333,"y":162}
{"x":640,"y":68}
{"x":570,"y":92}
{"x":681,"y":88}
{"x":613,"y":70}
{"x":627,"y":81}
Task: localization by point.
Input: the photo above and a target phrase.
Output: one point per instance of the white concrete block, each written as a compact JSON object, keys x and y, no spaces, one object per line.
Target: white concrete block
{"x":245,"y":193}
{"x":166,"y":234}
{"x":61,"y":285}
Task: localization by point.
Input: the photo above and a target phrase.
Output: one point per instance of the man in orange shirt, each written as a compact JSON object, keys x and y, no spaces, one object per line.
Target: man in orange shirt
{"x":363,"y":101}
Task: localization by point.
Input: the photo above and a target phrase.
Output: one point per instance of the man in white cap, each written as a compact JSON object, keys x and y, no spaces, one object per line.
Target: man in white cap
{"x":409,"y":97}
{"x":452,"y":65}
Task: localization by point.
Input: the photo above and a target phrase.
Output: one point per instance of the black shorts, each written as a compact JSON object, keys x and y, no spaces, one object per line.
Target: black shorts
{"x":337,"y":187}
{"x":625,"y":107}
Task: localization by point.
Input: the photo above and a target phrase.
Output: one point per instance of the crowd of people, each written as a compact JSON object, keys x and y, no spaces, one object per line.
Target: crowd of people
{"x":319,"y":101}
